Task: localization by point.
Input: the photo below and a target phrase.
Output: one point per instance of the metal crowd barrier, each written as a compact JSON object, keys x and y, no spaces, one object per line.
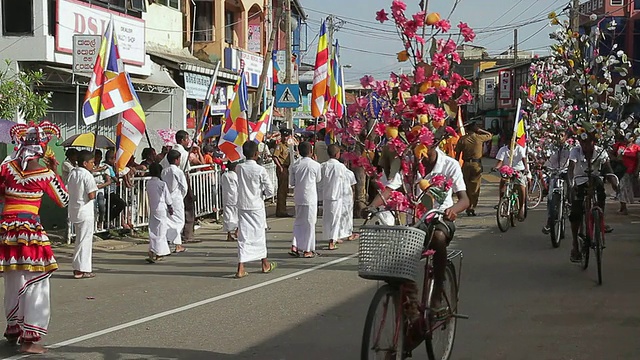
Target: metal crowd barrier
{"x":205,"y":184}
{"x":271,"y":171}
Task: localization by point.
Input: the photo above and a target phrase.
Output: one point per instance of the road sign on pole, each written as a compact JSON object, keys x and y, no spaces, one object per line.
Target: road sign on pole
{"x":287,"y":96}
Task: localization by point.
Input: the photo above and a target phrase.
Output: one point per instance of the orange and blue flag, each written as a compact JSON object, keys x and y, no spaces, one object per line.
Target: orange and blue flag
{"x":235,"y":131}
{"x":129,"y":131}
{"x":262,"y":126}
{"x":108,"y":92}
{"x":335,"y":90}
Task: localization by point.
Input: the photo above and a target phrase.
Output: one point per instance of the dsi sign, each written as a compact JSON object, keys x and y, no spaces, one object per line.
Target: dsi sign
{"x":81,"y":18}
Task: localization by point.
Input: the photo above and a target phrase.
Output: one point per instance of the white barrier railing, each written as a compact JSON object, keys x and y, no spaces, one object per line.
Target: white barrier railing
{"x":273,"y":176}
{"x":205,"y":185}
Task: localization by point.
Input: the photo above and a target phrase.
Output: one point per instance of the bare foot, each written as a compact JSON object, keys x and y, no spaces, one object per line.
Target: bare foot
{"x":32,"y":348}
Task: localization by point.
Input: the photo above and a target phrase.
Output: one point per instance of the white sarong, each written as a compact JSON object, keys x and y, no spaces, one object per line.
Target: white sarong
{"x":304,"y":228}
{"x":158,"y":226}
{"x":331,"y":214}
{"x":27,"y":304}
{"x":346,"y":219}
{"x":84,"y":245}
{"x":230,"y":218}
{"x":252,"y":237}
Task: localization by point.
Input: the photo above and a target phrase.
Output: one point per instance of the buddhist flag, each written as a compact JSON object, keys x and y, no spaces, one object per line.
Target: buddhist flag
{"x":335,"y":91}
{"x":108,"y":92}
{"x":235,"y":131}
{"x":262,"y":126}
{"x":129,"y":131}
{"x":519,"y":128}
{"x":320,"y":73}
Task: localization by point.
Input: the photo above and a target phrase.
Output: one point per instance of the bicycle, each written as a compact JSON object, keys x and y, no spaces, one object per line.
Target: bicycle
{"x":509,"y":204}
{"x":558,"y":207}
{"x":393,"y":254}
{"x":592,"y":228}
{"x":535,"y":190}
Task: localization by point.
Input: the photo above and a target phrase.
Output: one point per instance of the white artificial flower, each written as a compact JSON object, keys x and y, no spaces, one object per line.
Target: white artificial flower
{"x":593,"y":17}
{"x":624,"y":125}
{"x":584,"y":136}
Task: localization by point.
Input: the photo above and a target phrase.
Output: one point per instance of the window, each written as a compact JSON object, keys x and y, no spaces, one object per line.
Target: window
{"x":204,"y":21}
{"x":229,"y":25}
{"x":17,"y":17}
{"x":138,"y":5}
{"x":175,"y":4}
{"x":616,"y":2}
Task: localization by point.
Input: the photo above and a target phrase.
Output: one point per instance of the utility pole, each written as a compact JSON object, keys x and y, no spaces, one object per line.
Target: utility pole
{"x":255,"y":111}
{"x":286,"y":12}
{"x":515,"y":46}
{"x":575,"y":15}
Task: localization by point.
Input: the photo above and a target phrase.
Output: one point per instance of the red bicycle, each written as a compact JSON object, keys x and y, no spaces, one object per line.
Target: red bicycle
{"x":393,"y":254}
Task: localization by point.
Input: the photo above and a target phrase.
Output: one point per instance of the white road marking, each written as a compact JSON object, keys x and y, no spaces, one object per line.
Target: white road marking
{"x":188,"y":307}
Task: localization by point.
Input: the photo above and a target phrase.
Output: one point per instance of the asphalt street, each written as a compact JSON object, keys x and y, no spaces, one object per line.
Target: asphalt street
{"x":524,"y":298}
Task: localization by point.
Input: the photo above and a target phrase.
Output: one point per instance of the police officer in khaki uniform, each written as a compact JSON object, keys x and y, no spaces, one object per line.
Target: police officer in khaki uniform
{"x":282,"y":159}
{"x":469,"y":147}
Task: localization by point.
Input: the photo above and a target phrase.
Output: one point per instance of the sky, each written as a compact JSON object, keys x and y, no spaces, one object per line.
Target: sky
{"x":370,"y":47}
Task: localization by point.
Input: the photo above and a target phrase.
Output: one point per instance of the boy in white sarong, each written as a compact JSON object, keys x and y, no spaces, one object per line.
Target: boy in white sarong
{"x":253,"y":181}
{"x":82,"y":192}
{"x":346,"y":220}
{"x":229,"y":182}
{"x":332,"y":177}
{"x":304,"y":176}
{"x":176,"y":182}
{"x":160,"y":203}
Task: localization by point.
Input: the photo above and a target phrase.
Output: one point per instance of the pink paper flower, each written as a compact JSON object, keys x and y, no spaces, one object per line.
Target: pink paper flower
{"x":382,"y":16}
{"x":438,"y":180}
{"x":379,"y":129}
{"x":366,"y":81}
{"x":355,"y":126}
{"x":444,"y":93}
{"x":426,"y":136}
{"x":419,"y":75}
{"x":467,"y":32}
{"x":397,"y":201}
{"x":446,"y":46}
{"x":398,"y":146}
{"x":419,"y":18}
{"x":440,"y":62}
{"x":465,"y":98}
{"x":443,"y":25}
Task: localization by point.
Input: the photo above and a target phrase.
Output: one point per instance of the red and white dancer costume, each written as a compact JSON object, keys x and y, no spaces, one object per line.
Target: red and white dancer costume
{"x":26,"y":258}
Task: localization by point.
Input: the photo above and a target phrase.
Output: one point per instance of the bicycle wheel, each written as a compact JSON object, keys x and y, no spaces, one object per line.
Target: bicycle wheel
{"x":441,"y":335}
{"x":583,"y":246}
{"x":598,"y":241}
{"x":502,"y":214}
{"x":557,"y":216}
{"x":534,"y":194}
{"x":383,"y":336}
{"x":515,"y":209}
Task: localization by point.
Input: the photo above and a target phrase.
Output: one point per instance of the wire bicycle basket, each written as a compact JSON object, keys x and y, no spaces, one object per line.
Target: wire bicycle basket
{"x":390,"y":253}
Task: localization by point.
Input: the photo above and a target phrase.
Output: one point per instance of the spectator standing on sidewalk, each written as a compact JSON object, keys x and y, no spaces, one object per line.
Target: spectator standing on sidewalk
{"x":69,"y":163}
{"x":82,"y":191}
{"x":176,"y":182}
{"x":304,"y":176}
{"x":160,"y":202}
{"x":229,"y":184}
{"x":282,"y":159}
{"x":253,"y":183}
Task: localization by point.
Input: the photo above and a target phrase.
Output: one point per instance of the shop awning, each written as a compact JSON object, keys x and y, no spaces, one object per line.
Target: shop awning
{"x":191,"y":64}
{"x":159,"y":82}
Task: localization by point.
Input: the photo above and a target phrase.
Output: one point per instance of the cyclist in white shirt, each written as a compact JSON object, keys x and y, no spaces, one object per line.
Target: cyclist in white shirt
{"x":558,"y":161}
{"x":518,"y":161}
{"x":578,"y":164}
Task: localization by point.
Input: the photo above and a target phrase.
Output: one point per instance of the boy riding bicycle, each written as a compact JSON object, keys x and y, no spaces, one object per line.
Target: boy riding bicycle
{"x":435,"y":163}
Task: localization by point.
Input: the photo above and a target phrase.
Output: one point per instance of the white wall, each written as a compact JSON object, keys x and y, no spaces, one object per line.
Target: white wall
{"x":28,"y":48}
{"x":164,"y":26}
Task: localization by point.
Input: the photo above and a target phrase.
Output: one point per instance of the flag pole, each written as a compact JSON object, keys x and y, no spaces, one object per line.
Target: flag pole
{"x":515,"y":132}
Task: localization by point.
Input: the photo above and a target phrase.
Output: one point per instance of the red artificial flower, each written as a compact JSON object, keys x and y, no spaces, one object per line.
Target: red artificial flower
{"x":369,"y":145}
{"x":398,"y":201}
{"x":418,"y":75}
{"x":355,"y":126}
{"x":398,"y":6}
{"x":419,"y":18}
{"x":426,"y":136}
{"x":382,"y":16}
{"x":410,"y":29}
{"x":440,"y":62}
{"x":438,"y":180}
{"x":398,"y":146}
{"x":419,"y":39}
{"x":446,"y":46}
{"x":455,"y":57}
{"x":395,"y":122}
{"x":467,"y":32}
{"x":443,"y":25}
{"x":379,"y":129}
{"x":451,"y":131}
{"x":387,"y":115}
{"x":444,"y":93}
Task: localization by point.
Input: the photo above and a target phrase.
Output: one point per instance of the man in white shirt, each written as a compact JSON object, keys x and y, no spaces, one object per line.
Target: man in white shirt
{"x":332,"y":175}
{"x":176,"y":182}
{"x":253,"y":183}
{"x":587,"y":152}
{"x":517,"y":160}
{"x":82,"y":192}
{"x":558,"y":162}
{"x":304,"y":176}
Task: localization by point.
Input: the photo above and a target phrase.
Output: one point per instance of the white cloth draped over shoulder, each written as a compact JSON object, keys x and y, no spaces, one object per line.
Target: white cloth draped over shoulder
{"x":229,"y":184}
{"x":177,"y":185}
{"x":253,"y":183}
{"x":332,"y":188}
{"x":159,"y":202}
{"x":304,"y":177}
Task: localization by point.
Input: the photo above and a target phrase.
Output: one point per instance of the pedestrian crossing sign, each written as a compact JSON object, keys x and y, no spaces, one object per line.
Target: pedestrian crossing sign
{"x":287,"y":96}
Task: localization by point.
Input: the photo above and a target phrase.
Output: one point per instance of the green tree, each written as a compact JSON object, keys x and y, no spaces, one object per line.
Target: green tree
{"x":18,"y":94}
